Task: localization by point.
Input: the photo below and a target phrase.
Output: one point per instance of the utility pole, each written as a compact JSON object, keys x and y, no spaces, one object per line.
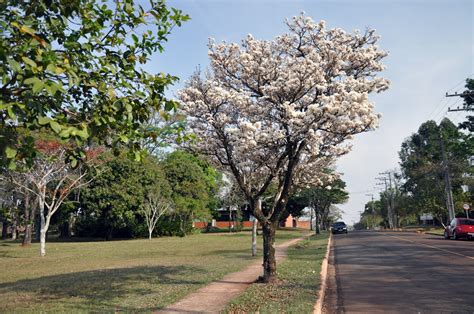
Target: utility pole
{"x":372,"y":207}
{"x":447,"y":180}
{"x":390,"y":197}
{"x":467,"y":106}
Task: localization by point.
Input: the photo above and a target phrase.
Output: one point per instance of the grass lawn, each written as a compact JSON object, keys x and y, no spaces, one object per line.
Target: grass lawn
{"x":126,"y":275}
{"x":297,"y":287}
{"x":435,"y":231}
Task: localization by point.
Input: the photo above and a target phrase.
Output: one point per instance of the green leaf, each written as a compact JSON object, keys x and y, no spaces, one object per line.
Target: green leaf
{"x":83,"y":134}
{"x":31,"y":80}
{"x":66,"y":133}
{"x":10,"y":152}
{"x":30,"y":62}
{"x":170,"y":105}
{"x":44,"y":120}
{"x":37,"y":86}
{"x":11,"y":114}
{"x":26,"y":29}
{"x":14,"y":64}
{"x":55,"y":126}
{"x":74,"y":162}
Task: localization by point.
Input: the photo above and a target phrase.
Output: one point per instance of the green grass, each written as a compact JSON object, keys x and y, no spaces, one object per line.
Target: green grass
{"x":435,"y":231}
{"x":131,"y":275}
{"x":297,"y":287}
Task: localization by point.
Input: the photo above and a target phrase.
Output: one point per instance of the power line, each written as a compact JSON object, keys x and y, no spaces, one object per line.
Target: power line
{"x":437,"y":107}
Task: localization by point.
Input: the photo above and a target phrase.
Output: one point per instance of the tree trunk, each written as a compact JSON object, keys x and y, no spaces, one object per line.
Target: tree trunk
{"x":14,"y":225}
{"x":254,"y":237}
{"x":4,"y":230}
{"x":150,"y":231}
{"x":28,"y":227}
{"x":269,"y":260}
{"x":317,"y":223}
{"x":42,"y":230}
{"x":258,"y":207}
{"x":311,"y":219}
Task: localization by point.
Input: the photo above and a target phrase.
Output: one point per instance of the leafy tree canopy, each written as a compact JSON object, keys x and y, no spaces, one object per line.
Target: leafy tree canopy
{"x":74,"y":67}
{"x":421,"y":162}
{"x":194,"y":184}
{"x":113,"y":202}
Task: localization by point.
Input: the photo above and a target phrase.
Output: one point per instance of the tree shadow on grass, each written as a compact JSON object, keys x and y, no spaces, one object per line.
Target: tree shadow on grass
{"x":105,"y":289}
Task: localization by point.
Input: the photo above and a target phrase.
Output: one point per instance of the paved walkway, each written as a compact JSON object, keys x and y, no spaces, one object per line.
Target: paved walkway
{"x":216,"y":295}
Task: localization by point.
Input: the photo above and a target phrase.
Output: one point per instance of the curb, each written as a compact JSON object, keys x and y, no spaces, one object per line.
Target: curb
{"x":318,"y":307}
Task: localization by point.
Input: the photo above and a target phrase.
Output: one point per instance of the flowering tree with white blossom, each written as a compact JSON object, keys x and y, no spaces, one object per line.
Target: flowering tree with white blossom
{"x":281,"y":111}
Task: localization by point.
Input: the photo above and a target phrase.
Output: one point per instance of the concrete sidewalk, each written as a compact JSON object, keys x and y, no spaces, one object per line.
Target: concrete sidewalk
{"x":213,"y":297}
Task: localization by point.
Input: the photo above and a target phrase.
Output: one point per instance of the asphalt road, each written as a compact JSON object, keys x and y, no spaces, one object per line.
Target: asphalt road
{"x":399,"y":272}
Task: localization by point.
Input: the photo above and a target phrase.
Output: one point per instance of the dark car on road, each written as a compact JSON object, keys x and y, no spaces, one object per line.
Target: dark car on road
{"x":338,"y":227}
{"x":460,"y":228}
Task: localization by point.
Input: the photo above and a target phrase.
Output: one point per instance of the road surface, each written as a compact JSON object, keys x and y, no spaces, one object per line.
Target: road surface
{"x":399,"y":272}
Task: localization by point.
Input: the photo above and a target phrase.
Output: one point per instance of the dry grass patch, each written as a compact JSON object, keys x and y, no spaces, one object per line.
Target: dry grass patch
{"x":296,"y":289}
{"x":128,"y":275}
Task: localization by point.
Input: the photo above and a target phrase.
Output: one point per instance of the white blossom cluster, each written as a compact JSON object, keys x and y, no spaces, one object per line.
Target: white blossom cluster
{"x":283,"y":109}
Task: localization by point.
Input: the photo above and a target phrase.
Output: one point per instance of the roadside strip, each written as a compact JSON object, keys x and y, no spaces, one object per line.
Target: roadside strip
{"x":318,"y":307}
{"x":431,"y":246}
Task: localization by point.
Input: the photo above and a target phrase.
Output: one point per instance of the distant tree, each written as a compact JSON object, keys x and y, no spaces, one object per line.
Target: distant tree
{"x":157,"y":203}
{"x":194,"y":185}
{"x":113,"y":203}
{"x":468,"y":105}
{"x":75,"y":68}
{"x":51,"y":180}
{"x":423,"y":171}
{"x":320,"y":200}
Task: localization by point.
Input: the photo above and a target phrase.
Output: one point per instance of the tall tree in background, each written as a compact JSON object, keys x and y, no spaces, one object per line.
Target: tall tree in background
{"x":423,"y":170}
{"x":74,"y":67}
{"x":468,"y":105}
{"x":113,"y":203}
{"x":194,"y":185}
{"x":279,"y":112}
{"x":320,"y":200}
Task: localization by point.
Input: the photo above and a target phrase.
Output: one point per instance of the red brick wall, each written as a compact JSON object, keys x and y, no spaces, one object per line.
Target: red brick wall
{"x":303,"y":224}
{"x":200,"y":224}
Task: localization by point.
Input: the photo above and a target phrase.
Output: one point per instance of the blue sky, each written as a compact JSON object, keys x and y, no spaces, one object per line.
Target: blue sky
{"x":430,"y":45}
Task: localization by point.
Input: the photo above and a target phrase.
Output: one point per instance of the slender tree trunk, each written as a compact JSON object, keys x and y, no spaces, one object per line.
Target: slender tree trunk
{"x":43,"y":229}
{"x":4,"y":230}
{"x":37,"y":220}
{"x":254,"y":227}
{"x":311,"y":219}
{"x":269,"y":260}
{"x":317,"y":222}
{"x":14,"y":224}
{"x":150,"y":231}
{"x":28,"y":227}
{"x":254,"y":237}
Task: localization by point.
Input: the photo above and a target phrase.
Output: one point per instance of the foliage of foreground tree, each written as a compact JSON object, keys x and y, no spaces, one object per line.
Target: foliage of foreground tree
{"x":74,"y":68}
{"x":281,"y":111}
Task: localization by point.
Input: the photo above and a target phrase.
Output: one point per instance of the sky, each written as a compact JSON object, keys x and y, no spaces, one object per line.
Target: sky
{"x":430,"y":45}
